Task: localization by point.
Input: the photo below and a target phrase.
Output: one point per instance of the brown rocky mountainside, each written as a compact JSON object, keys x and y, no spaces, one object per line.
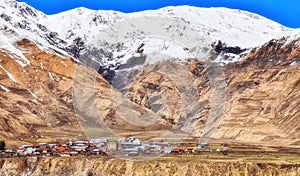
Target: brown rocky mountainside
{"x":263,"y":96}
{"x":37,"y":96}
{"x":255,"y":100}
{"x":36,"y":100}
{"x":261,"y":103}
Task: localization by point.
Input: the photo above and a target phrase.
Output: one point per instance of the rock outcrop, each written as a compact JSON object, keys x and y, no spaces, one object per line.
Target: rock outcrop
{"x":117,"y":167}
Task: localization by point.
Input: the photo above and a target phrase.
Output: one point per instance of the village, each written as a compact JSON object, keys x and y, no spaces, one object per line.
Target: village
{"x":126,"y":147}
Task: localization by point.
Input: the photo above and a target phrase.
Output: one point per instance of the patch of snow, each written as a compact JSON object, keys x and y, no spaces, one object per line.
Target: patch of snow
{"x":42,"y":65}
{"x":59,"y":55}
{"x":64,"y":63}
{"x":51,"y":76}
{"x":293,"y":35}
{"x":32,"y":94}
{"x":155,"y":48}
{"x":227,"y":58}
{"x":10,"y":56}
{"x":166,"y":47}
{"x":8,"y":74}
{"x":4,"y":88}
{"x":294,"y":63}
{"x":6,"y":43}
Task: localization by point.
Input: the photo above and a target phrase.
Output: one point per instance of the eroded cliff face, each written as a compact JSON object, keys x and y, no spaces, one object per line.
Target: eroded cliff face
{"x":261,"y":99}
{"x":108,"y":166}
{"x":263,"y":95}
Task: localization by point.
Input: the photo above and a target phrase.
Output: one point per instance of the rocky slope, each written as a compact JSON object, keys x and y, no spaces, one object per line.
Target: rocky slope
{"x":256,"y":100}
{"x":107,"y":166}
{"x":37,"y":102}
{"x":263,"y":93}
{"x":37,"y":95}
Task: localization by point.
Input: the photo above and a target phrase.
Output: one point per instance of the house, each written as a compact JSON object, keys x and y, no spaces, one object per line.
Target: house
{"x":112,"y":146}
{"x":80,"y":142}
{"x":7,"y":153}
{"x":162,"y":144}
{"x":22,"y":150}
{"x":130,"y":152}
{"x":153,"y":149}
{"x":178,"y":150}
{"x":203,"y":145}
{"x":80,"y":147}
{"x":167,"y":150}
{"x":60,"y":148}
{"x":130,"y":142}
{"x":99,"y":142}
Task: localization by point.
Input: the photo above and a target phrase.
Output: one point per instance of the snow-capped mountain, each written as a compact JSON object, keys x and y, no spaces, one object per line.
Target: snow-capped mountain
{"x":77,"y":30}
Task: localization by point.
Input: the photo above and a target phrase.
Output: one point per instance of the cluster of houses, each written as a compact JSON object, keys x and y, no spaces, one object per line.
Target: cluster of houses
{"x":55,"y":149}
{"x":125,"y":146}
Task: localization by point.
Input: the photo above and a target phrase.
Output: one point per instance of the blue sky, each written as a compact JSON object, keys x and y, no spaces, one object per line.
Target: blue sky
{"x":285,"y":12}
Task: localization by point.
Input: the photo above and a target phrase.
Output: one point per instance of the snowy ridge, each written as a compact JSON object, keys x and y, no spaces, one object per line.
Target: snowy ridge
{"x":294,"y":35}
{"x":74,"y":31}
{"x":81,"y":22}
{"x":234,"y":27}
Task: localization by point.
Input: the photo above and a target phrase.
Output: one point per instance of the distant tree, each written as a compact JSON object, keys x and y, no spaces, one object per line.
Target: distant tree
{"x":225,"y":149}
{"x":140,"y":48}
{"x":2,"y":145}
{"x":77,"y":47}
